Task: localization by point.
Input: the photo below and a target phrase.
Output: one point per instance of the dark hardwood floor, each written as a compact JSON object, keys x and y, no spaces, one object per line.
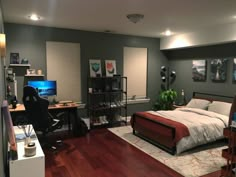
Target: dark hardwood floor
{"x":102,"y":154}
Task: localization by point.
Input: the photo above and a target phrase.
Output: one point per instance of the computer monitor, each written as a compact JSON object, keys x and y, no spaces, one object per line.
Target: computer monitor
{"x":45,"y":88}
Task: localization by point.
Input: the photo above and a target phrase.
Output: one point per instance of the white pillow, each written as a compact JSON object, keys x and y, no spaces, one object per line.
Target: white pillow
{"x":198,"y":103}
{"x":220,"y":107}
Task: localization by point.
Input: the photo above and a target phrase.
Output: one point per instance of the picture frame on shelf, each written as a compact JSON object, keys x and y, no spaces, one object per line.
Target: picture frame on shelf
{"x":95,"y":68}
{"x":24,"y":61}
{"x":30,"y":71}
{"x":110,"y":66}
{"x":14,"y":58}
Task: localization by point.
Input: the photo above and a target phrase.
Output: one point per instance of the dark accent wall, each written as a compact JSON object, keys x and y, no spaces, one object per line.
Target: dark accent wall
{"x":30,"y":42}
{"x":180,"y":60}
{"x":3,"y":135}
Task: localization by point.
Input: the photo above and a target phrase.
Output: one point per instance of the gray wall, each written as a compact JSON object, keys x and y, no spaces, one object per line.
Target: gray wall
{"x":3,"y":143}
{"x":30,"y":42}
{"x":2,"y":132}
{"x":181,"y":61}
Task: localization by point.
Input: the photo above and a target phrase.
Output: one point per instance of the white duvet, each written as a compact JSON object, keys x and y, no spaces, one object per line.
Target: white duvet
{"x":204,"y":126}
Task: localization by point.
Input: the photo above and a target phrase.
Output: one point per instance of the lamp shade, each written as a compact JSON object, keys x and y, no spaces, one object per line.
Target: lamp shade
{"x":163,"y":68}
{"x":173,"y":74}
{"x":163,"y":78}
{"x":2,"y":45}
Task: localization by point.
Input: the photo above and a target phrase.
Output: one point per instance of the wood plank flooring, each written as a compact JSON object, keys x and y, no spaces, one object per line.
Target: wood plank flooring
{"x":102,"y":154}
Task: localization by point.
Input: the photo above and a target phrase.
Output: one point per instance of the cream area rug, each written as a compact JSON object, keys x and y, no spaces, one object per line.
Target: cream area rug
{"x":190,"y":164}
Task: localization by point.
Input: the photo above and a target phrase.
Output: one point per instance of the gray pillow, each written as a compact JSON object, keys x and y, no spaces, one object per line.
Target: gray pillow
{"x":198,"y":103}
{"x":220,"y":107}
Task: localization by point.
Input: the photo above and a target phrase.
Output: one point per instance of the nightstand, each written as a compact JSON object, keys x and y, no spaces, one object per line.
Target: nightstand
{"x":178,"y":106}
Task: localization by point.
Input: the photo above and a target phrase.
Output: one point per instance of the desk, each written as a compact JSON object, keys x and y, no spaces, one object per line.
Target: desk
{"x":27,"y":166}
{"x":70,"y":108}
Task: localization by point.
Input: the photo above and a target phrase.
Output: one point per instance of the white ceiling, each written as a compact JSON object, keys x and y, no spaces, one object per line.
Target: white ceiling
{"x":180,"y":16}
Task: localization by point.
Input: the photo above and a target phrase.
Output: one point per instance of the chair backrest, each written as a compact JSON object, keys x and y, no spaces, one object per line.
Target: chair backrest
{"x":36,"y":109}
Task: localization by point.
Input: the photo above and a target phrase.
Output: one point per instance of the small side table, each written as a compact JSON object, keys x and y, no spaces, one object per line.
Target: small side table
{"x":27,"y":166}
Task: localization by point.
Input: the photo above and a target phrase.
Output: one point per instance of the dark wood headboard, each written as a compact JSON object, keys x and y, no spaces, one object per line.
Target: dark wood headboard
{"x":211,"y":97}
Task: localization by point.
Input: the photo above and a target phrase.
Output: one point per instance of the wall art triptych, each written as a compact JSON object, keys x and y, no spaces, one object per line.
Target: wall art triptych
{"x":218,"y":70}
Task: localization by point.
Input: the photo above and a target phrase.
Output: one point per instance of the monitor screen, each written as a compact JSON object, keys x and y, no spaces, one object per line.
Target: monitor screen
{"x":44,"y":88}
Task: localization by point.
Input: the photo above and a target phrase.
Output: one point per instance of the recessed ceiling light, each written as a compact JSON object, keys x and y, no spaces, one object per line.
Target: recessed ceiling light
{"x":234,"y":16}
{"x":167,"y":33}
{"x":34,"y":17}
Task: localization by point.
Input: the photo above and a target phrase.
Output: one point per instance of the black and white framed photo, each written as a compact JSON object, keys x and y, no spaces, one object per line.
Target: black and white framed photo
{"x":199,"y":70}
{"x":234,"y":70}
{"x":14,"y":58}
{"x":219,"y":70}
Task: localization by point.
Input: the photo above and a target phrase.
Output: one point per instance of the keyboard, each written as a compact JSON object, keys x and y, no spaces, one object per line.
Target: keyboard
{"x":64,"y":102}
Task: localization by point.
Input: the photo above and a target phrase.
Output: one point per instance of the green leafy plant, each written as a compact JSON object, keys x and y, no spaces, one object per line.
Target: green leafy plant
{"x":165,"y":100}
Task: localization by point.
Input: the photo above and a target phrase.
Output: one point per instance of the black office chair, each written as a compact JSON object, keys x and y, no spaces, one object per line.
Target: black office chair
{"x":37,"y":114}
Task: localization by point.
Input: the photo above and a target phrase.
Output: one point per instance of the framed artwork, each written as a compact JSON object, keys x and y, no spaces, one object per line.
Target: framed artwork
{"x":110,"y":67}
{"x":219,"y":70}
{"x":14,"y":58}
{"x":95,"y":68}
{"x":199,"y":70}
{"x":30,"y":71}
{"x":234,"y":70}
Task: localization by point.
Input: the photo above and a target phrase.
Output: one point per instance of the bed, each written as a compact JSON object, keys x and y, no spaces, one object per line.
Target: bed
{"x":202,"y":121}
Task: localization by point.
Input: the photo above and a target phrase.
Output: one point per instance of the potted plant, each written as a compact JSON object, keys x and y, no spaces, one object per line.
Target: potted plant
{"x":165,"y":100}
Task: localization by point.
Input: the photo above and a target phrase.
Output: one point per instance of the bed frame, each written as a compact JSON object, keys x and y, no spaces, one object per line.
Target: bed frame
{"x":160,"y":134}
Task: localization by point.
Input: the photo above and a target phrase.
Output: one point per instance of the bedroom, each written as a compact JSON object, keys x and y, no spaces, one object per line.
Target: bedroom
{"x":105,"y":46}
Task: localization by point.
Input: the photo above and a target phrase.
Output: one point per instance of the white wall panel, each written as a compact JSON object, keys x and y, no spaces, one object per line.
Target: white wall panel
{"x":135,"y":68}
{"x":63,"y":65}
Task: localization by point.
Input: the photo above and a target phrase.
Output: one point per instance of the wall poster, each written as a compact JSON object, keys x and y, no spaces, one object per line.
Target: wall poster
{"x":234,"y":70}
{"x":219,"y":70}
{"x":95,"y":68}
{"x":110,"y":67}
{"x":199,"y":70}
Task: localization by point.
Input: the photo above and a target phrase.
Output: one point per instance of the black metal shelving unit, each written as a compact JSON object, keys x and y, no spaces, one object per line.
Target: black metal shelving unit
{"x":107,"y":101}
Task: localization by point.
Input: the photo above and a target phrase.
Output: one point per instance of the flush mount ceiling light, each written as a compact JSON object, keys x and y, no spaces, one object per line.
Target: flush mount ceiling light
{"x":34,"y":17}
{"x":135,"y":18}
